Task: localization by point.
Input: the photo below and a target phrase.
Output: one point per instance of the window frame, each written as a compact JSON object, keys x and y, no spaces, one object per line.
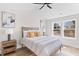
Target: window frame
{"x":62,"y":29}
{"x":74,"y":29}
{"x":53,"y":29}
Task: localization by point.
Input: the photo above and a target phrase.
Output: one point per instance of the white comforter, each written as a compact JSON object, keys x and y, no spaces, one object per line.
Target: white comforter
{"x":42,"y":46}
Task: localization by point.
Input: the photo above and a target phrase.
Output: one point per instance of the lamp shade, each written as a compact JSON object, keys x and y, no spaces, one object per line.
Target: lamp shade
{"x":9,"y":31}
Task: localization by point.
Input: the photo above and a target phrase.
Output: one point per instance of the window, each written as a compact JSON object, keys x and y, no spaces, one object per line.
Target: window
{"x":69,"y":28}
{"x":57,"y":29}
{"x":66,"y":28}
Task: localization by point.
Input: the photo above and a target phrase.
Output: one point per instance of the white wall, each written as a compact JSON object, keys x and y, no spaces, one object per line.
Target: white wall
{"x":66,"y":41}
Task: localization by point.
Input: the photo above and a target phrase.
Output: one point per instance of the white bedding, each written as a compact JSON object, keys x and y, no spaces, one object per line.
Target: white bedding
{"x":42,"y":46}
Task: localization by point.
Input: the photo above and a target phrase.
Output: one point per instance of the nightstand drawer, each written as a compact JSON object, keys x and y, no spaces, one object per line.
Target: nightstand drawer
{"x":8,"y":43}
{"x":9,"y":50}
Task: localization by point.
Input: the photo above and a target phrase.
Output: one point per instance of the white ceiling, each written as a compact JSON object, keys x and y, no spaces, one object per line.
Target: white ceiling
{"x":58,"y":9}
{"x":31,"y":6}
{"x":16,"y":6}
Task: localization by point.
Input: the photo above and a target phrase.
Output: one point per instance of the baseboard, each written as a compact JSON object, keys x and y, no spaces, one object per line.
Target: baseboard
{"x":70,"y":46}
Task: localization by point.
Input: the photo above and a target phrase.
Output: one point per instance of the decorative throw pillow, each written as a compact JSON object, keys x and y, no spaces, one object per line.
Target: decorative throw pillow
{"x":30,"y":34}
{"x":36,"y":34}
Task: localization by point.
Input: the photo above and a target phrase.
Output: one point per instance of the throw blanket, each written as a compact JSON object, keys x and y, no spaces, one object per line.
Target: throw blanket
{"x":42,"y":46}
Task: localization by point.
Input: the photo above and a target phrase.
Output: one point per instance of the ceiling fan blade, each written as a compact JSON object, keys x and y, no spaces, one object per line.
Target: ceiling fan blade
{"x":49,"y":6}
{"x":42,"y":6}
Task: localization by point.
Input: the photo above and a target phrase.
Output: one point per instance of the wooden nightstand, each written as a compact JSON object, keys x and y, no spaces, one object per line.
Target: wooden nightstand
{"x":8,"y":46}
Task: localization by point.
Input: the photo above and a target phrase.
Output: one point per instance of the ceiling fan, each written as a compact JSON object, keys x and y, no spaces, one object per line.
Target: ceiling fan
{"x":44,"y":4}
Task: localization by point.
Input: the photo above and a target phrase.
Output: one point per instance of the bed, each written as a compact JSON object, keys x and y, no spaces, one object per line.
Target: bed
{"x":41,"y":45}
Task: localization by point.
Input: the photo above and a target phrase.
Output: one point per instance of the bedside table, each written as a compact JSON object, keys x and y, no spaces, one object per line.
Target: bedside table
{"x":8,"y":46}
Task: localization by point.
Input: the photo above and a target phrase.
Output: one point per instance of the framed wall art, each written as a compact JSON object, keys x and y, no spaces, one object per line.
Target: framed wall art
{"x":8,"y":20}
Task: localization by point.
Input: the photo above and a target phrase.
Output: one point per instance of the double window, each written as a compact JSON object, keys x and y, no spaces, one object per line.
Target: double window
{"x":66,"y":28}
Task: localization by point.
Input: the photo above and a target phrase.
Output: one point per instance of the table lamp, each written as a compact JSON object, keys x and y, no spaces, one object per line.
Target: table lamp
{"x":9,"y":32}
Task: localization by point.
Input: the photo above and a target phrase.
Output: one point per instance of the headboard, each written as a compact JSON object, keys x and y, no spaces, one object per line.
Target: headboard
{"x":29,"y":28}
